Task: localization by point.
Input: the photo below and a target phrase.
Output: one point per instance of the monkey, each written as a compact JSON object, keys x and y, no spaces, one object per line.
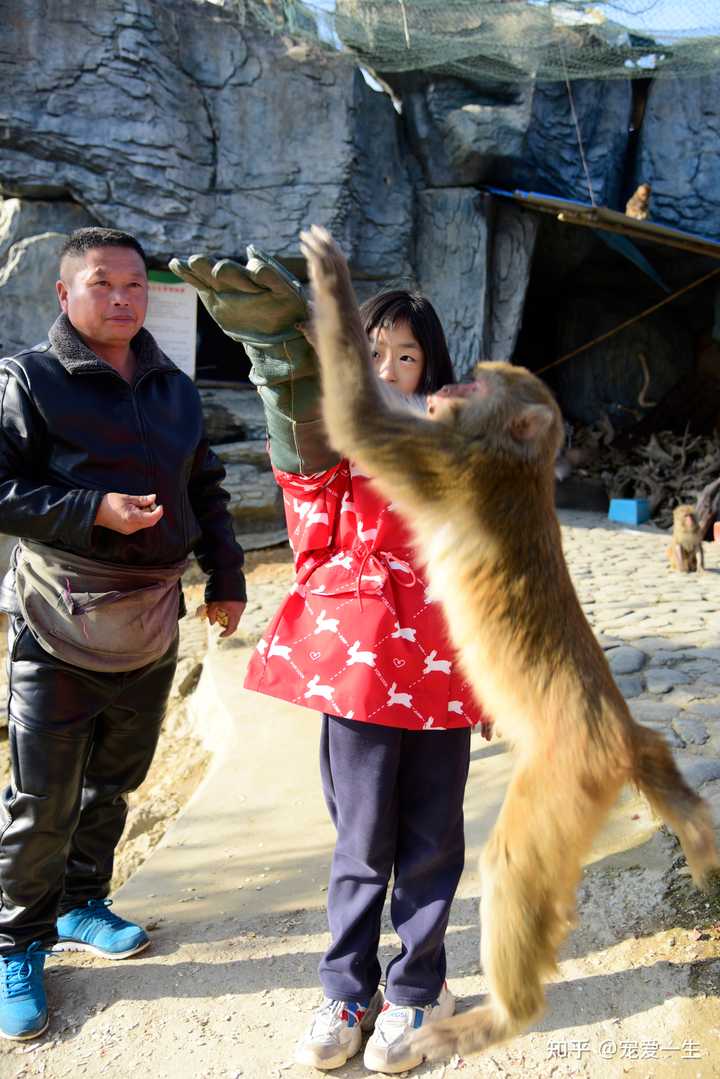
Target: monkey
{"x":480,"y":458}
{"x":638,"y":205}
{"x":686,"y":550}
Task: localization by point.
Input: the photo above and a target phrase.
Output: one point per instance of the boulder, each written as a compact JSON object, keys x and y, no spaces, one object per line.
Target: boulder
{"x":22,"y":218}
{"x":28,"y":301}
{"x":519,"y":135}
{"x":463,"y":133}
{"x":256,"y":501}
{"x":232,"y":415}
{"x":31,"y":236}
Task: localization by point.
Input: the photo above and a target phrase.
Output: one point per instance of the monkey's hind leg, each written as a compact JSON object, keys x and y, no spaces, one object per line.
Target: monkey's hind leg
{"x":530,"y":869}
{"x":678,"y":558}
{"x":684,"y":811}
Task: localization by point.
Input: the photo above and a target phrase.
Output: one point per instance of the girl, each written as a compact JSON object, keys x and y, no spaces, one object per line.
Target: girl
{"x":359,"y":638}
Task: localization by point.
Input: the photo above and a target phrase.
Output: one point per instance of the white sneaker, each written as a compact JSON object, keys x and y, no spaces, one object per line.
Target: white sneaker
{"x":387,"y":1050}
{"x":335,"y":1033}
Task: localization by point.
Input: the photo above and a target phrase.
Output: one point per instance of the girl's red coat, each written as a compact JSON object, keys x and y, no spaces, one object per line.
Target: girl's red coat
{"x":358,"y":635}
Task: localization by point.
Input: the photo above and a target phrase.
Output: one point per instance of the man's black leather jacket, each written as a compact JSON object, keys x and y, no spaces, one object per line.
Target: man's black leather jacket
{"x":72,"y":430}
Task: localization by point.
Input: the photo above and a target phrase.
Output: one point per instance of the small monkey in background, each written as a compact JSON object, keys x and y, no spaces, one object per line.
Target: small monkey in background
{"x":481,"y":459}
{"x":638,"y":205}
{"x":686,"y":550}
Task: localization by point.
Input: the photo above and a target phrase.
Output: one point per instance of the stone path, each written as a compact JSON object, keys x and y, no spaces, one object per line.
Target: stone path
{"x":660,"y":631}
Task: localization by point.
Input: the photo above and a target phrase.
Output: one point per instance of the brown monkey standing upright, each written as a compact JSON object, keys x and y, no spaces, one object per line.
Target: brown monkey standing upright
{"x":476,"y":482}
{"x":686,"y":550}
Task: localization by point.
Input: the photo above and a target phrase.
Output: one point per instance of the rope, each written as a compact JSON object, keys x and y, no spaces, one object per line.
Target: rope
{"x":577,"y":129}
{"x":406,"y":29}
{"x":629,"y":321}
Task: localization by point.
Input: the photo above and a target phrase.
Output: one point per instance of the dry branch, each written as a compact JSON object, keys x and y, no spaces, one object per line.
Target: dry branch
{"x":668,"y":469}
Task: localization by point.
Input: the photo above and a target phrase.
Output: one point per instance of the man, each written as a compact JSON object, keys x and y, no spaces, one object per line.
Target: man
{"x":107,"y":478}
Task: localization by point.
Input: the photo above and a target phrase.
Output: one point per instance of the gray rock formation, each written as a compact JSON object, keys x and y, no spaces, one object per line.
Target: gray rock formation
{"x":255,"y":499}
{"x":463,"y":133}
{"x":519,"y":135}
{"x":452,"y":266}
{"x":235,"y":424}
{"x":27,"y":291}
{"x":22,"y":219}
{"x":511,"y":258}
{"x":679,"y":153}
{"x":232,"y":415}
{"x":225,"y":135}
{"x":552,"y":161}
{"x":31,"y":235}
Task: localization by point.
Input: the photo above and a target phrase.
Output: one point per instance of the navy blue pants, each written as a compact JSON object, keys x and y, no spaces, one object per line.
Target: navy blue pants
{"x":396,"y":800}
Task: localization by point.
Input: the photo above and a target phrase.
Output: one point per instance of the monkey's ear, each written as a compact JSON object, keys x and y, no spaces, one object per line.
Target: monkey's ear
{"x":531,"y":423}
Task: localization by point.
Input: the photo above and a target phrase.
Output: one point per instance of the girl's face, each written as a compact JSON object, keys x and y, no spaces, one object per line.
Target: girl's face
{"x":397,"y":357}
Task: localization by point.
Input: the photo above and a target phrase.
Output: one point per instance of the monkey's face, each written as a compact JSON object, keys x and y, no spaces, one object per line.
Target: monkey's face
{"x":443,"y":404}
{"x":505,"y":411}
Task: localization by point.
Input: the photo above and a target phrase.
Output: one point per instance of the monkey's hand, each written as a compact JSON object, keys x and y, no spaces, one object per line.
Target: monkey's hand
{"x":260,"y":303}
{"x":406,"y":453}
{"x":337,"y":329}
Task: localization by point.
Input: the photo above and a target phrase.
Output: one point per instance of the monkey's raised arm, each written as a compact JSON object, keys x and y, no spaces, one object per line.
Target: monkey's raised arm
{"x":407,"y":453}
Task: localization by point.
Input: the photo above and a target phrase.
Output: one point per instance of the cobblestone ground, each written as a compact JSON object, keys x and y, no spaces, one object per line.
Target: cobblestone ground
{"x":660,"y":631}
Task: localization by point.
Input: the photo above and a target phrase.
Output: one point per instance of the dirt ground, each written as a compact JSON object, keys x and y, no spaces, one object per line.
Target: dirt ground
{"x":181,"y":759}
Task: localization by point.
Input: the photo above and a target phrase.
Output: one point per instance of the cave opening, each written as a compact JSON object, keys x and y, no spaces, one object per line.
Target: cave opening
{"x":661,"y":372}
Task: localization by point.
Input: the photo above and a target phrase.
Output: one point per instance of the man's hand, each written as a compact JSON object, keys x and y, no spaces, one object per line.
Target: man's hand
{"x":226,"y":613}
{"x":128,"y":513}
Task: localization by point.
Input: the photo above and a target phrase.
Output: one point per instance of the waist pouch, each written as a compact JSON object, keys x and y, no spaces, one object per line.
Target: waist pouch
{"x":97,"y":615}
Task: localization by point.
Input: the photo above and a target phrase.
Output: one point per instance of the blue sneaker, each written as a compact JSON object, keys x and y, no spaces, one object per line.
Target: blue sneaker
{"x":23,"y":1006}
{"x":94,"y":928}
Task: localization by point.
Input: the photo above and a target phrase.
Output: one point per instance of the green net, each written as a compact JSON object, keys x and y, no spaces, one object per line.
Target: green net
{"x":510,"y":39}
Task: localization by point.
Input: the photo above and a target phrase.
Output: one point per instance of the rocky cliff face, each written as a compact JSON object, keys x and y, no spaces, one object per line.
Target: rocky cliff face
{"x":194,"y":131}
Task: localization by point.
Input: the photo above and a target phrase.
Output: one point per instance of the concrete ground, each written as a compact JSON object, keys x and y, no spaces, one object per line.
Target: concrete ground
{"x":234,"y":895}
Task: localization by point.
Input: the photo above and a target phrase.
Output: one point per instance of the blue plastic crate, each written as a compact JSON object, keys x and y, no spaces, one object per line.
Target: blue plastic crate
{"x":629,"y":511}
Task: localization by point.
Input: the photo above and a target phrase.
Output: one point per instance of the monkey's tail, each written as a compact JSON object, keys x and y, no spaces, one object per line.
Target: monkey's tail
{"x":471,"y":1032}
{"x":688,"y":815}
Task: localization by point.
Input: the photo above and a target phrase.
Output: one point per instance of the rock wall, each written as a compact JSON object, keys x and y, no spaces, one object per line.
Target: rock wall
{"x":195,"y":131}
{"x":191,"y":126}
{"x":679,"y":153}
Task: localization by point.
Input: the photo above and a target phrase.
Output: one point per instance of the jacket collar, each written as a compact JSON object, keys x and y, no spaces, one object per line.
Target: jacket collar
{"x":77,"y":358}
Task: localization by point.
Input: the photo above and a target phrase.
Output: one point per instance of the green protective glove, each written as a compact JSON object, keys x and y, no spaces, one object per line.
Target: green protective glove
{"x":262,"y":305}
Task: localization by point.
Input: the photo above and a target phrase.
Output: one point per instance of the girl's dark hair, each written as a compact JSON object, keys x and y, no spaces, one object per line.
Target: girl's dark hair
{"x":389,"y":308}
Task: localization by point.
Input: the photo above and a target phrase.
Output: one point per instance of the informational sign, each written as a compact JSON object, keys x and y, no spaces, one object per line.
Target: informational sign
{"x":172,"y":318}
